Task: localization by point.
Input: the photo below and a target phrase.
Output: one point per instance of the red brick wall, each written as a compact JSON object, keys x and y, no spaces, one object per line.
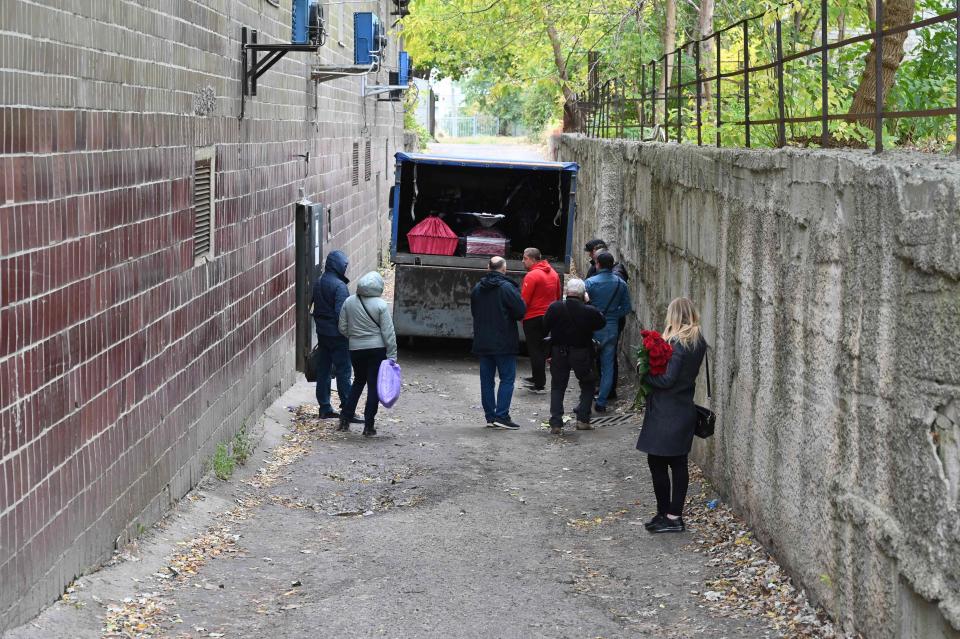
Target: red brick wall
{"x":122,"y":362}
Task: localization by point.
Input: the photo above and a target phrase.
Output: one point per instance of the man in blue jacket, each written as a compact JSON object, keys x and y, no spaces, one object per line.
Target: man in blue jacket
{"x":611,"y":295}
{"x":329,"y":293}
{"x":496,"y":306}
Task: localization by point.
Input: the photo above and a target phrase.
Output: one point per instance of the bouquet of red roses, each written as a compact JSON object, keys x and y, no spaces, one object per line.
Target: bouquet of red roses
{"x":653,"y":355}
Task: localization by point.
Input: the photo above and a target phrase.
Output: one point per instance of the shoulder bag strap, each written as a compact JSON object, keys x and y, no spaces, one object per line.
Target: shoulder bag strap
{"x":707,"y":357}
{"x":613,"y":297}
{"x":360,"y":299}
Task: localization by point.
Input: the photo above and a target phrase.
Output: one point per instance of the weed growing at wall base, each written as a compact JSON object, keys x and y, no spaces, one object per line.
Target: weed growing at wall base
{"x":223,"y":463}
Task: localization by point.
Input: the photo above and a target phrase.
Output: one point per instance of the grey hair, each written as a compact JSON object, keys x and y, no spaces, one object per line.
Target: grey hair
{"x":576,"y":288}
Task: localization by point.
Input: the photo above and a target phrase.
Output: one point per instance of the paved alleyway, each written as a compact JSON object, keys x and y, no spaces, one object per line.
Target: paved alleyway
{"x":439,"y":527}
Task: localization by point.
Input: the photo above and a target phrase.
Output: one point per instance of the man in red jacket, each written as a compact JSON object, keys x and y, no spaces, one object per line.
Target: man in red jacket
{"x":541,"y":288}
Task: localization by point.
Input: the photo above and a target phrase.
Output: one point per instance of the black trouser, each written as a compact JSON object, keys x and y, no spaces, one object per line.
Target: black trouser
{"x":621,"y":324}
{"x":661,"y":483}
{"x":533,"y":333}
{"x":366,"y":366}
{"x":563,"y":359}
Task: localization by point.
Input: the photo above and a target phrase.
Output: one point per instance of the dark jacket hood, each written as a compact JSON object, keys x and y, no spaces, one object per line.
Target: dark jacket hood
{"x":337,"y":263}
{"x":494,"y":279}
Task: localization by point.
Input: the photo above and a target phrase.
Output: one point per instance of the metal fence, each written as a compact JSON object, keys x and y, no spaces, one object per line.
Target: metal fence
{"x":619,"y":108}
{"x":472,"y":126}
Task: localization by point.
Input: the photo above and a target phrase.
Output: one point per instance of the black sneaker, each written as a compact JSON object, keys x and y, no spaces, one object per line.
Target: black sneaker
{"x":369,"y":431}
{"x":508,"y":424}
{"x":538,"y":390}
{"x":597,"y":408}
{"x":528,"y":380}
{"x":667,"y":525}
{"x":653,"y":522}
{"x":356,"y":420}
{"x":329,"y":414}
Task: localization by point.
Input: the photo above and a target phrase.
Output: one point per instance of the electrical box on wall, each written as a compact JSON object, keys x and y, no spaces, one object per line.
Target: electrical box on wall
{"x":403,"y":67}
{"x":369,"y":38}
{"x":307,"y":22}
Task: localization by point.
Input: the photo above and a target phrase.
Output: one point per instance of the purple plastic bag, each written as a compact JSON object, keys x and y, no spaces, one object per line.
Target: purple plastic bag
{"x":389,"y":382}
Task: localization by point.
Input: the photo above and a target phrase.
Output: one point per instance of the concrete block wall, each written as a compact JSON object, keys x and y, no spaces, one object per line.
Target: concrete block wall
{"x":829,"y":284}
{"x":123,"y":361}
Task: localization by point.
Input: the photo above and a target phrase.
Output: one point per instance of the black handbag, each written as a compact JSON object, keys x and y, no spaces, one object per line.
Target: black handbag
{"x":310,"y":365}
{"x":706,"y":418}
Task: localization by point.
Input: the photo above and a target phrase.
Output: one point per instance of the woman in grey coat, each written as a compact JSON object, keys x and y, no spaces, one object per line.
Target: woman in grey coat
{"x":670,"y":417}
{"x":366,"y":321}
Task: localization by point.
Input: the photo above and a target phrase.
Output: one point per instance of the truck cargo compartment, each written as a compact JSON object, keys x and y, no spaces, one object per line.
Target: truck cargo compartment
{"x":493,"y":207}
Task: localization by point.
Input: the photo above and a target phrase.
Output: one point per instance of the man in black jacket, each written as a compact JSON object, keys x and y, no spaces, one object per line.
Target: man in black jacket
{"x":571,"y":324}
{"x":596,"y":246}
{"x":496,"y":306}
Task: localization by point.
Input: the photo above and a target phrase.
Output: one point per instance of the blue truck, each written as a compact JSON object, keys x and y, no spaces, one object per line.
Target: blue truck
{"x":494,"y":207}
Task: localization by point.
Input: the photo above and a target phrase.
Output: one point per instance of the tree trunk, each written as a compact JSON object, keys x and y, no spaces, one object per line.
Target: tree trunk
{"x":895,"y":13}
{"x":669,"y":44}
{"x":707,"y":60}
{"x":571,"y":110}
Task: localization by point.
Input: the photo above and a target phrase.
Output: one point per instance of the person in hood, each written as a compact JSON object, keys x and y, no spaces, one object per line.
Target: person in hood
{"x":328,"y":295}
{"x":541,"y":288}
{"x":496,"y":306}
{"x":366,"y":321}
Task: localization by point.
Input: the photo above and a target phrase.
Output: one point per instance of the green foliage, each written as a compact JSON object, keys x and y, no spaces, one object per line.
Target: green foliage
{"x":643,"y":367}
{"x":223,"y":463}
{"x":924,"y":81}
{"x":504,"y":52}
{"x":410,"y":120}
{"x":242,"y":446}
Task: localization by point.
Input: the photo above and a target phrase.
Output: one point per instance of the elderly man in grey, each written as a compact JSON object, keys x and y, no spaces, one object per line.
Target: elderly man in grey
{"x":571,"y":324}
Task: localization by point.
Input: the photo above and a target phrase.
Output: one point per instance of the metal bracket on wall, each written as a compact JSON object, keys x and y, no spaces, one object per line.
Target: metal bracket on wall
{"x":254,"y":66}
{"x":376,"y":89}
{"x":325,"y":73}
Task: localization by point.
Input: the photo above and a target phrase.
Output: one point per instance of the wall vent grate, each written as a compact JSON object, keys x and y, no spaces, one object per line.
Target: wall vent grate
{"x":203,"y":177}
{"x":368,"y":161}
{"x":356,"y":163}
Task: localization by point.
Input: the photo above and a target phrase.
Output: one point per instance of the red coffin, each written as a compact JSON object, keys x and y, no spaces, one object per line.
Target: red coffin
{"x":432,"y":237}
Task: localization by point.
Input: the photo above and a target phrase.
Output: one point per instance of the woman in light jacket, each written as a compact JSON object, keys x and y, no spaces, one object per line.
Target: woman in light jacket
{"x":670,"y":417}
{"x":365,"y":319}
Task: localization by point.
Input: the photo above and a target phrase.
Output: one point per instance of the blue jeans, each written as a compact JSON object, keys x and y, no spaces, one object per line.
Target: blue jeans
{"x":607,"y":336}
{"x":506,"y":367}
{"x":335,"y":352}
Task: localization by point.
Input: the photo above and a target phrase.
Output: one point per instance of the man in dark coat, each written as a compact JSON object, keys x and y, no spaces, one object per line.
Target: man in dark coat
{"x":496,"y":306}
{"x":333,"y":349}
{"x":571,"y":324}
{"x":594,"y":247}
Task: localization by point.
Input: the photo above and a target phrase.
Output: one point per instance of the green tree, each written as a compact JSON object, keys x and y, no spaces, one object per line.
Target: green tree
{"x":525,"y":42}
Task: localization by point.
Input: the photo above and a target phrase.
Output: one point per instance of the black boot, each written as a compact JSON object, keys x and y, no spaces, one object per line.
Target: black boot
{"x":369,"y":431}
{"x":344,"y":425}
